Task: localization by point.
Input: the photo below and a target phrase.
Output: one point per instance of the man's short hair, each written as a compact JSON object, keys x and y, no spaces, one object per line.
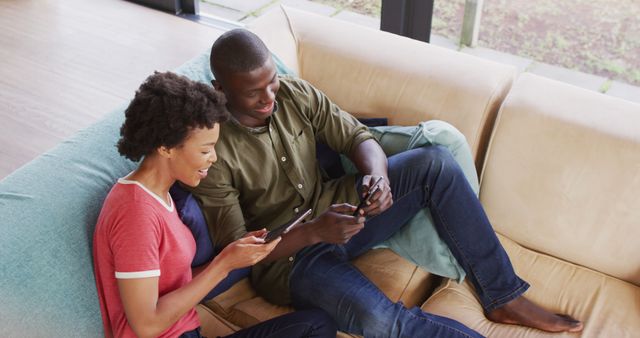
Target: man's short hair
{"x":237,"y":51}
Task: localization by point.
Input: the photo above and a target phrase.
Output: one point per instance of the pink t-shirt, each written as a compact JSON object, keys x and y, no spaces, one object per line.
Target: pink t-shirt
{"x":138,"y":235}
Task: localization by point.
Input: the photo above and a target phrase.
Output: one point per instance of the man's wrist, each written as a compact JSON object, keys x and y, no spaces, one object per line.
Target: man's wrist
{"x":310,"y":235}
{"x":384,"y":176}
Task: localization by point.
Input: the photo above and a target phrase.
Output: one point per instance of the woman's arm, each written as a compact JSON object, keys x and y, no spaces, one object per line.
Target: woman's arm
{"x":149,"y":315}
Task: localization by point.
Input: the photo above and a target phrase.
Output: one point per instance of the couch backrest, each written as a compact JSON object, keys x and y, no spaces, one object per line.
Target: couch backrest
{"x":371,"y":73}
{"x":562,"y":175}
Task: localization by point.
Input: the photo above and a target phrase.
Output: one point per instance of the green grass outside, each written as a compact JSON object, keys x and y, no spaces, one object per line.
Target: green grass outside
{"x":600,"y":37}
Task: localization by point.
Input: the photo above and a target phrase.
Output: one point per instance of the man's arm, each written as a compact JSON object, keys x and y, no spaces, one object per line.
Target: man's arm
{"x":345,"y":134}
{"x":335,"y":225}
{"x":221,"y":208}
{"x":371,"y":162}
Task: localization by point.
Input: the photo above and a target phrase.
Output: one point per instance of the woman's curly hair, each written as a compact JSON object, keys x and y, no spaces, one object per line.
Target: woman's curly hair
{"x":164,"y":110}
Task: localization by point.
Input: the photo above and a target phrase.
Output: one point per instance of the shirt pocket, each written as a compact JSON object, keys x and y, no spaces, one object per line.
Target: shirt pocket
{"x":303,"y":137}
{"x":303,"y":144}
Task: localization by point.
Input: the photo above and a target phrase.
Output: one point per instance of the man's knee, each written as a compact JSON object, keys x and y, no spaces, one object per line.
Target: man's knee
{"x":436,"y":153}
{"x":432,"y":159}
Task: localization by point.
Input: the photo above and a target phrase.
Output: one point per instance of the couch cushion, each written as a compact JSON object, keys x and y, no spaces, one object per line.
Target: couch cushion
{"x":211,"y":325}
{"x":608,"y":306}
{"x":562,"y":175}
{"x":400,"y":280}
{"x":395,"y":276}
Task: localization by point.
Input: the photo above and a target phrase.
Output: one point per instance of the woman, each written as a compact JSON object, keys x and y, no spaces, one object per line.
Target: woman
{"x":142,"y":251}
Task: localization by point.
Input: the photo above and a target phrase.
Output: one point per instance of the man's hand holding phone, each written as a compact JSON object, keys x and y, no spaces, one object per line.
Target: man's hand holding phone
{"x":368,"y":197}
{"x":377,"y":196}
{"x":336,"y":224}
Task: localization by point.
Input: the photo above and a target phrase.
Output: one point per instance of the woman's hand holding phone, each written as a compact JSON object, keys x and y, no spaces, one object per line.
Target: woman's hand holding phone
{"x":246,"y":251}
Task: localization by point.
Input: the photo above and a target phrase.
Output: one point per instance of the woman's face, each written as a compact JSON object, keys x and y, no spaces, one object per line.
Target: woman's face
{"x":191,"y":160}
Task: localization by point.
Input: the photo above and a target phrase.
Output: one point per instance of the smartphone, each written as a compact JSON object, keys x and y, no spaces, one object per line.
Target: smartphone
{"x":374,"y":188}
{"x":284,"y":228}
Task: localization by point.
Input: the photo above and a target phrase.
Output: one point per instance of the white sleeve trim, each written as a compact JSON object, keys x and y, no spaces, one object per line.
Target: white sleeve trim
{"x":137,"y":274}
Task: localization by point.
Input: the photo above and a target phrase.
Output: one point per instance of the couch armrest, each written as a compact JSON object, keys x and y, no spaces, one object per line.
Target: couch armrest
{"x":562,"y":175}
{"x":275,"y":30}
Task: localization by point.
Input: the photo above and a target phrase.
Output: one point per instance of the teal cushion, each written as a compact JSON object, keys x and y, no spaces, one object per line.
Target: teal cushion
{"x":48,"y":212}
{"x":49,"y":208}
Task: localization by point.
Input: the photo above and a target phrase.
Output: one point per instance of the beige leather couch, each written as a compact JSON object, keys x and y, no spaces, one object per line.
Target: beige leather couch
{"x":559,"y":166}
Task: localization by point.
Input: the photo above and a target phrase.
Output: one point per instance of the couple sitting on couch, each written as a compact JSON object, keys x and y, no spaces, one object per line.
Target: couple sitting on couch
{"x":267,"y":171}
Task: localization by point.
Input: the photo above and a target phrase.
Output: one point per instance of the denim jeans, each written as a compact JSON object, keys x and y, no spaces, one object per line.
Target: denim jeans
{"x":323,"y":276}
{"x":299,"y":324}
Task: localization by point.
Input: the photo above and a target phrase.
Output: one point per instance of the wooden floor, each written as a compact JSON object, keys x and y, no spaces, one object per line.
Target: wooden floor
{"x":64,"y":64}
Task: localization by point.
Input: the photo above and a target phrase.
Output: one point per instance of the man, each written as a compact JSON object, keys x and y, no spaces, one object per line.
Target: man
{"x":268,"y":171}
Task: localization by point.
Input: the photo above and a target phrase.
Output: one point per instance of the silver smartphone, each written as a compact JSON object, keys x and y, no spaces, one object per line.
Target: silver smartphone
{"x":283,"y":229}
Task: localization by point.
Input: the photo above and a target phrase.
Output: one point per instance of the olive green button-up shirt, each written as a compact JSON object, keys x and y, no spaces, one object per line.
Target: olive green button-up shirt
{"x":263,"y":177}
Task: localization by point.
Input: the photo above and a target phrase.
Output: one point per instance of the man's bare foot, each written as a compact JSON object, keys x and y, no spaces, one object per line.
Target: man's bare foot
{"x":522,"y":311}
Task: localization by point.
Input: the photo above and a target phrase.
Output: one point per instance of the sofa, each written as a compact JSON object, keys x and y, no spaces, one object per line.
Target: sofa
{"x":558,"y":168}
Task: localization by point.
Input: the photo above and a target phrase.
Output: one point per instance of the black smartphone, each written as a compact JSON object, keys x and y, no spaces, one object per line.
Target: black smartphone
{"x":372,"y":190}
{"x":283,"y":229}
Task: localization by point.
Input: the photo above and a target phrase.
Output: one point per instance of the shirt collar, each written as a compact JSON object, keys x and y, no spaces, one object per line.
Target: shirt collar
{"x":256,"y":130}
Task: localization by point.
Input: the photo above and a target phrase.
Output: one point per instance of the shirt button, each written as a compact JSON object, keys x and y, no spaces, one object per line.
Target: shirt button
{"x":290,"y":259}
{"x":299,"y":186}
{"x":283,"y":159}
{"x":296,"y":210}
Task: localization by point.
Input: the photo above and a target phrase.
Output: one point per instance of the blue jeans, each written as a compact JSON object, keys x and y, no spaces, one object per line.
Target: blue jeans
{"x":323,"y":276}
{"x":302,"y":324}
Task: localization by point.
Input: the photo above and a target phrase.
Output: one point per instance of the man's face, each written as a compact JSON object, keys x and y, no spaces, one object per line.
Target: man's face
{"x":251,"y":95}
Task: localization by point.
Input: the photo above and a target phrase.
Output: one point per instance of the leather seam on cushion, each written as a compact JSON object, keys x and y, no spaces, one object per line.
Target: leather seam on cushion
{"x":480,"y":148}
{"x":494,"y":131}
{"x":217,"y":316}
{"x":218,"y":309}
{"x":295,"y":38}
{"x":406,"y":286}
{"x":438,"y":291}
{"x":245,"y":315}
